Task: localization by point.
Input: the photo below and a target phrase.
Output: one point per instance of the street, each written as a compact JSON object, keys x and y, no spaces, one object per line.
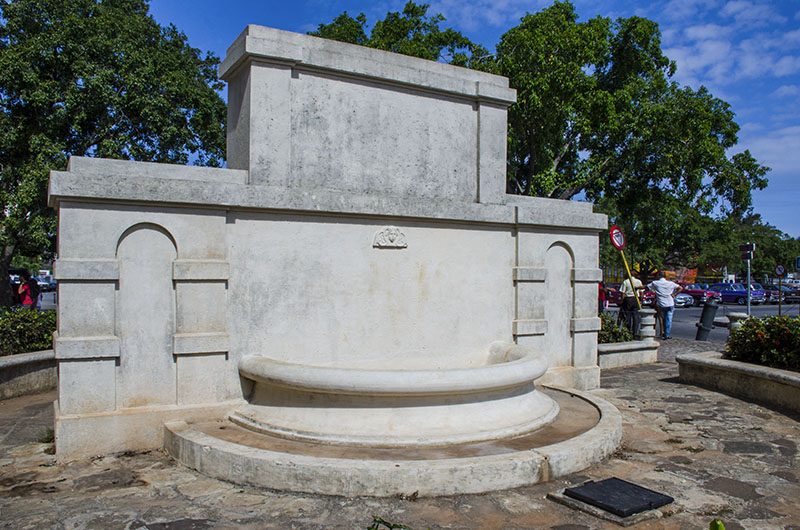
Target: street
{"x":685,"y":318}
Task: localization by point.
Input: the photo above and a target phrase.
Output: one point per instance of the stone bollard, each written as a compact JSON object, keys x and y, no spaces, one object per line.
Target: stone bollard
{"x":647,"y":325}
{"x":735,"y":321}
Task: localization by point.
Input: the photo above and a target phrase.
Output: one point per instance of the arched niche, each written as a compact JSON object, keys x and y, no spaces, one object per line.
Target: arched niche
{"x":145,"y":319}
{"x":559,"y":304}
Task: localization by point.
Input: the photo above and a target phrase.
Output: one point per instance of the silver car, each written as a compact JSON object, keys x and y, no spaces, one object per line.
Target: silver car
{"x":684,"y":300}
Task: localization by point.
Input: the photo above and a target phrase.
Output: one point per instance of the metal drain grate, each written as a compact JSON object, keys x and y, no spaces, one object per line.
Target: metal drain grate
{"x":618,"y":496}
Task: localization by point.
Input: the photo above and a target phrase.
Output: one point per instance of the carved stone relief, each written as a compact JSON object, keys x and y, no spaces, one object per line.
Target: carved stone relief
{"x":390,"y":237}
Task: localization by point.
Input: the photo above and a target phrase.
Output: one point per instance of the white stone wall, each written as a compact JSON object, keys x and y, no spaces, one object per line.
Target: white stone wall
{"x":311,"y":113}
{"x":365,"y":226}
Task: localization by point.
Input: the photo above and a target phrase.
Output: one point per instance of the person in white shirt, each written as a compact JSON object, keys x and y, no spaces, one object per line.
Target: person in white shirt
{"x":665,"y":298}
{"x":630,"y":309}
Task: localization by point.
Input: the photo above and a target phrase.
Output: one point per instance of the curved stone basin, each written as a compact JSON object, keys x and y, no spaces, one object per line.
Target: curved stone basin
{"x":396,"y":408}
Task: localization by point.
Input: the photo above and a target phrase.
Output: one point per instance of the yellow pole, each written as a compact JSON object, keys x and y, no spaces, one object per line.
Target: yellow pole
{"x":630,"y":278}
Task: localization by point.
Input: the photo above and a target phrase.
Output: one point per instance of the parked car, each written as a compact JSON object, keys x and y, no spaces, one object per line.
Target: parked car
{"x":684,"y":300}
{"x":699,"y":293}
{"x":790,"y":293}
{"x":737,"y":293}
{"x":45,"y":284}
{"x":774,"y":295}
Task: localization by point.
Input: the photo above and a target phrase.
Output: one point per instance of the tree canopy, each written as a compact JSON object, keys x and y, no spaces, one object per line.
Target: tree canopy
{"x":598,"y":114}
{"x":93,"y":78}
{"x":410,"y":32}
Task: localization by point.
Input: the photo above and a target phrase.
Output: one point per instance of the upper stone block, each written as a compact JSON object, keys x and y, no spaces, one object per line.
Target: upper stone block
{"x":305,"y":112}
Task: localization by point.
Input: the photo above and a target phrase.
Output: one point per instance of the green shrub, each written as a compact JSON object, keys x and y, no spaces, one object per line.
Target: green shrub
{"x":610,"y":331}
{"x":772,"y":341}
{"x":25,"y":330}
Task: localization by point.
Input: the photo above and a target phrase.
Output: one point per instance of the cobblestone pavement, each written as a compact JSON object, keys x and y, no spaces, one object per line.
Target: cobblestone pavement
{"x":719,"y":457}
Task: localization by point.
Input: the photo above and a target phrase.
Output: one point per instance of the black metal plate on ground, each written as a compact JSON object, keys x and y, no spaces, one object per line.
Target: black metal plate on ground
{"x":618,"y":496}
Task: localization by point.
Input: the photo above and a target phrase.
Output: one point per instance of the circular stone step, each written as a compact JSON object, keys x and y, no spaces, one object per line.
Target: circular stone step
{"x":587,"y":430}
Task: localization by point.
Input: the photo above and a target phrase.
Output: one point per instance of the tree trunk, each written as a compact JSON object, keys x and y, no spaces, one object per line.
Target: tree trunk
{"x":6,"y":296}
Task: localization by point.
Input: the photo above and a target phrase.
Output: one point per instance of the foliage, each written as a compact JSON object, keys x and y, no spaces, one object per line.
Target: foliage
{"x":611,"y":332}
{"x":597,"y":113}
{"x":716,"y":524}
{"x":48,"y":436}
{"x":93,"y":78}
{"x":26,"y":330}
{"x":773,"y":341}
{"x":32,"y":264}
{"x":773,"y":247}
{"x":687,"y":238}
{"x":412,"y":32}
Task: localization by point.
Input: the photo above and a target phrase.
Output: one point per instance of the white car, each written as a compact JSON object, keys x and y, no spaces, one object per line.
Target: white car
{"x":684,"y":300}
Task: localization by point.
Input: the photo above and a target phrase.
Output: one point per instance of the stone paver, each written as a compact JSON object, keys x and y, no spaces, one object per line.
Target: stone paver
{"x":716,"y":455}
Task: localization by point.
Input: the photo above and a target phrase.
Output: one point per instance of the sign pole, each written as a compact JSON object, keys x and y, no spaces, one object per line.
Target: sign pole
{"x":780,"y":270}
{"x":618,"y":240}
{"x":747,"y":254}
{"x":748,"y":287}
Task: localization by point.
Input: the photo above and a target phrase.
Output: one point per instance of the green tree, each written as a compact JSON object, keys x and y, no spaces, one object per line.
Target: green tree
{"x":598,"y":114}
{"x":93,"y":78}
{"x":773,"y":247}
{"x":410,"y":32}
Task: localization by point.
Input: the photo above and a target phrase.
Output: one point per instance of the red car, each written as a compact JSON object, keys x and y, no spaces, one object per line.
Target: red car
{"x":699,"y":294}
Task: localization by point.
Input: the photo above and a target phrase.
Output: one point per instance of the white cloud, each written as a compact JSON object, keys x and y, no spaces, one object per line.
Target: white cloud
{"x":786,"y":66}
{"x":776,"y":148}
{"x":711,"y":61}
{"x":735,"y":8}
{"x":707,"y":31}
{"x":682,"y":10}
{"x":471,"y":15}
{"x":787,"y":90}
{"x":751,"y":127}
{"x":751,"y":14}
{"x":792,"y":37}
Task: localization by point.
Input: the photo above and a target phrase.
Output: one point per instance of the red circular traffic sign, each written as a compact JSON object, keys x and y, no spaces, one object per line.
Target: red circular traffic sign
{"x":617,"y":237}
{"x":780,"y":270}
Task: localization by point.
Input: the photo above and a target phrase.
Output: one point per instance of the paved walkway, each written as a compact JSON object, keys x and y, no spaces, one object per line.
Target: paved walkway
{"x":719,"y":457}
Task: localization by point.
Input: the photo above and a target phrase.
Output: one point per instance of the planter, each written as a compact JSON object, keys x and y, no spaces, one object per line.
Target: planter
{"x":620,"y":354}
{"x":751,"y":382}
{"x":27,"y":373}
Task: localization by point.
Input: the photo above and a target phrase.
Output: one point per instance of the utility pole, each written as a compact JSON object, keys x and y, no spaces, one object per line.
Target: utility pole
{"x":747,"y":254}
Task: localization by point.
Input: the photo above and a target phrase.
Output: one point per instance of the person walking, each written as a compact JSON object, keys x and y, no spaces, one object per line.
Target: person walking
{"x":665,"y":298}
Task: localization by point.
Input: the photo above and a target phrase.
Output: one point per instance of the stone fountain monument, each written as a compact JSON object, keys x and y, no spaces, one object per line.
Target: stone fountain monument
{"x":354,"y":306}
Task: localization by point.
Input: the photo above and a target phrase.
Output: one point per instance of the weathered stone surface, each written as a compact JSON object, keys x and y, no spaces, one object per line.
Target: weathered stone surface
{"x":695,"y":505}
{"x":750,"y":448}
{"x":27,"y":373}
{"x":342,"y":238}
{"x":733,"y":487}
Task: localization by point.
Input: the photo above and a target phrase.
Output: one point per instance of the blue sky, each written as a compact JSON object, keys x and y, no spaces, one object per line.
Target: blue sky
{"x":746,"y":52}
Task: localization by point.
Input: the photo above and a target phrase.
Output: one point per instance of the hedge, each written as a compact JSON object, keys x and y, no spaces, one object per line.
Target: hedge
{"x":26,"y":330}
{"x":772,"y":341}
{"x":610,"y":331}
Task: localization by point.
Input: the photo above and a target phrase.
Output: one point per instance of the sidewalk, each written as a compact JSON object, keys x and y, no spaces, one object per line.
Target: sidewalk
{"x":719,"y":457}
